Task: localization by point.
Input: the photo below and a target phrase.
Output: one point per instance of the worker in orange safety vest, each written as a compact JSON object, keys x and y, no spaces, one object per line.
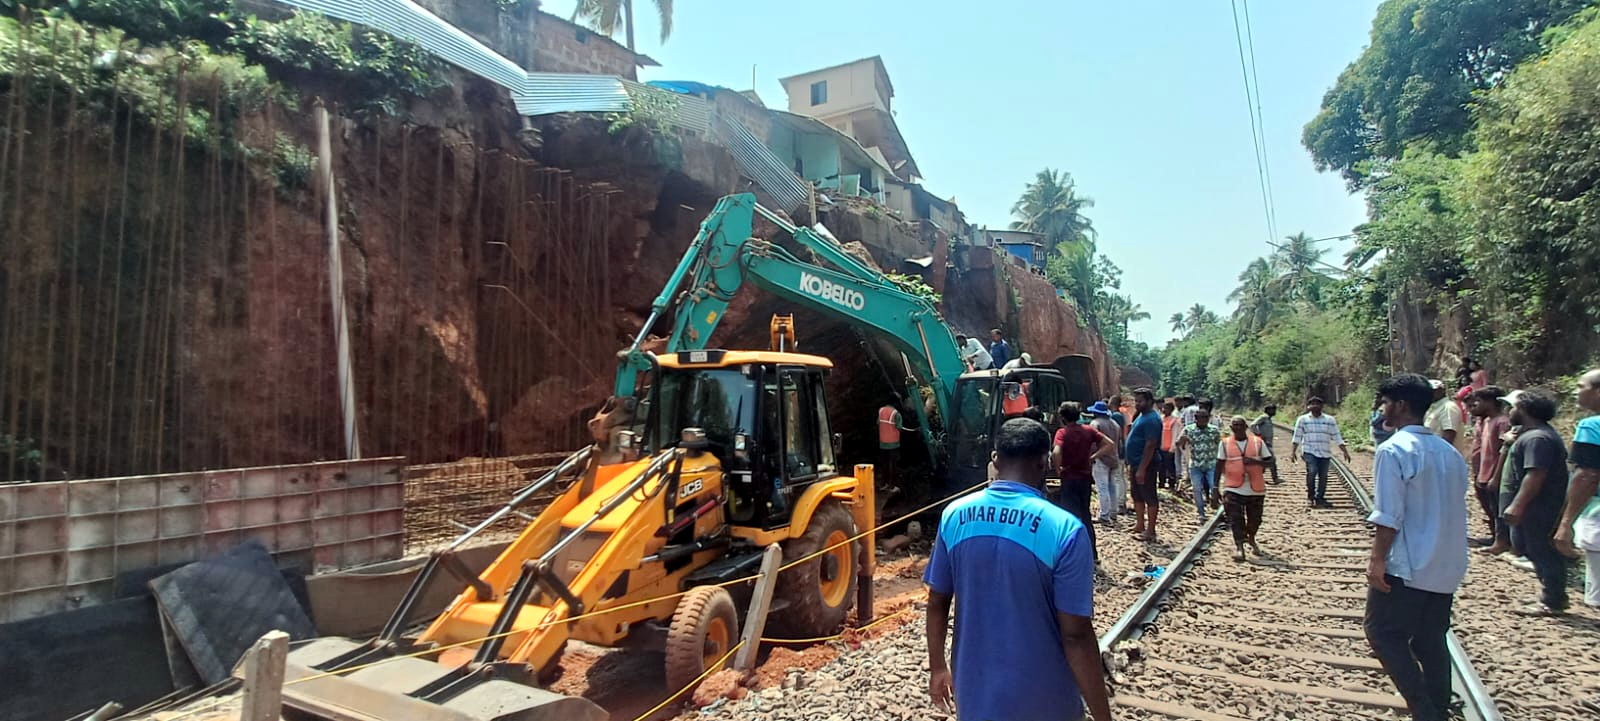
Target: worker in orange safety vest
{"x":1242,"y":460}
{"x":1014,"y":398}
{"x":890,"y":423}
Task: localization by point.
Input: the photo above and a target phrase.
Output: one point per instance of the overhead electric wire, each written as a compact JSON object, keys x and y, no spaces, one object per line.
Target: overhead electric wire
{"x":1257,"y":133}
{"x":1261,"y":121}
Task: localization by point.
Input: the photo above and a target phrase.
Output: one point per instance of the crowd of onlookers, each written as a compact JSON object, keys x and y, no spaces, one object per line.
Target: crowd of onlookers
{"x":1433,"y":447}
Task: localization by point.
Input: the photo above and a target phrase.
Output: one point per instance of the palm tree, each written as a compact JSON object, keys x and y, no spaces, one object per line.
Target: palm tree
{"x":1050,"y":205}
{"x":1117,"y":311}
{"x":605,"y":15}
{"x":1179,"y":324}
{"x":1071,"y":269}
{"x":1296,"y":262}
{"x":1257,"y":295}
{"x":1199,"y":317}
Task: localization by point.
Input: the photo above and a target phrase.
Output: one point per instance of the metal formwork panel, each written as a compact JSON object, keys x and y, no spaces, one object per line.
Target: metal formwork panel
{"x":63,"y":544}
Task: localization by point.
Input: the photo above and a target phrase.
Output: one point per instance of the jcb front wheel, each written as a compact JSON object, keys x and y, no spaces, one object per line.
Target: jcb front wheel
{"x":704,"y":628}
{"x":820,"y":591}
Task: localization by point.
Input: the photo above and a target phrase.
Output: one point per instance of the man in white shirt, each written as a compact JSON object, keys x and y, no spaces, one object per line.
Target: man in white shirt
{"x":1315,"y":436}
{"x":972,"y":352}
{"x":1419,"y":552}
{"x":1444,"y":418}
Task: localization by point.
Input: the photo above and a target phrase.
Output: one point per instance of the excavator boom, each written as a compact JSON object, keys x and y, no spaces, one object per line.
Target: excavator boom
{"x":724,"y":256}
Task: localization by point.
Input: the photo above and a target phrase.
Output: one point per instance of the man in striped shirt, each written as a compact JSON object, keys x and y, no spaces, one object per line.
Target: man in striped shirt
{"x":1315,"y":435}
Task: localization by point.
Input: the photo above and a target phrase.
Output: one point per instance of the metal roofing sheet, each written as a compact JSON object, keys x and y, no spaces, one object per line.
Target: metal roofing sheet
{"x":407,"y":20}
{"x":546,"y":93}
{"x":691,"y":113}
{"x":761,"y":165}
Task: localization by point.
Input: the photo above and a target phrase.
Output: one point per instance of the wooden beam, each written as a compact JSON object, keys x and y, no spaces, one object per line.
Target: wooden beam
{"x":1171,"y":709}
{"x":1292,"y":628}
{"x":1353,"y":662}
{"x":1360,"y":698}
{"x":760,"y":602}
{"x":1286,"y":610}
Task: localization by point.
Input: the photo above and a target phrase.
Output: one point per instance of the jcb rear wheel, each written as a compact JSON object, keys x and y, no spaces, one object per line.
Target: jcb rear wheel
{"x":820,"y":591}
{"x":704,"y":628}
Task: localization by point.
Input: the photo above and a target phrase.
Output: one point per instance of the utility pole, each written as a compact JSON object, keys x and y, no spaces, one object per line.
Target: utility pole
{"x":627,"y":10}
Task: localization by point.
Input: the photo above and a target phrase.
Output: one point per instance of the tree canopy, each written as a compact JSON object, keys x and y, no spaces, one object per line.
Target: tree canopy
{"x":1417,"y":79}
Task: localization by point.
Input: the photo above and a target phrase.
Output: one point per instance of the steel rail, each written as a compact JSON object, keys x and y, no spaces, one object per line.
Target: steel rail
{"x":1477,"y":703}
{"x":1142,"y":614}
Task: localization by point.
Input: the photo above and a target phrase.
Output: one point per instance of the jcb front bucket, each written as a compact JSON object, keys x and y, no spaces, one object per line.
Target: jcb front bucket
{"x":379,"y":692}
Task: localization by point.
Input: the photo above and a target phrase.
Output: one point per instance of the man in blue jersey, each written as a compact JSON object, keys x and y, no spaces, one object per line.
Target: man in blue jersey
{"x":1023,"y":569}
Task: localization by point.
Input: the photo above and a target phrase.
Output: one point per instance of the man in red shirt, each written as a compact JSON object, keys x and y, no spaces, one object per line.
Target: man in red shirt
{"x":1484,"y":465}
{"x":1077,"y":447}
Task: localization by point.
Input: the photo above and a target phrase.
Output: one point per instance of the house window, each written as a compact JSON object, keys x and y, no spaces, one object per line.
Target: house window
{"x":819,"y":92}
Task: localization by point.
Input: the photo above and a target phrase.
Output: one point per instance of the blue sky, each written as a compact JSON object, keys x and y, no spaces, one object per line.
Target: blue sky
{"x":1142,"y":102}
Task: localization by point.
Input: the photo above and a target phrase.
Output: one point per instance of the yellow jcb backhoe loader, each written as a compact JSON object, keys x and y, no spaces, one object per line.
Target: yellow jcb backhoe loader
{"x":733,"y":452}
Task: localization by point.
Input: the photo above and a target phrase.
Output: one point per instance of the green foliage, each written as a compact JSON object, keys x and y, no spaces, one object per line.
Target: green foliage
{"x":652,"y":109}
{"x":608,"y":16}
{"x":1312,"y":352}
{"x":1535,"y":201}
{"x":380,"y":70}
{"x":293,"y":164}
{"x":24,"y":461}
{"x":914,"y":285}
{"x":153,"y":21}
{"x":114,"y":74}
{"x":1417,"y":78}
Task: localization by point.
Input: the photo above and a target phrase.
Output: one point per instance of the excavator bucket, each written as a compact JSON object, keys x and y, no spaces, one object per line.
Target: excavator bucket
{"x":398,"y":689}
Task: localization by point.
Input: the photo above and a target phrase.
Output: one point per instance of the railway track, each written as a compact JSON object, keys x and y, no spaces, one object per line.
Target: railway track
{"x":1276,"y":636}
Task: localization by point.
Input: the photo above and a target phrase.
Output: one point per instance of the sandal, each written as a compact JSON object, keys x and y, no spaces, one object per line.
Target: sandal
{"x":1539,"y":609}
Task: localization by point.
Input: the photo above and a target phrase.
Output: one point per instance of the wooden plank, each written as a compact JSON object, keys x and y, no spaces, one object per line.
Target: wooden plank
{"x":263,"y":678}
{"x":1360,"y":698}
{"x":1285,"y":610}
{"x":760,"y":602}
{"x":1292,"y":628}
{"x":1353,"y":662}
{"x":1361,"y":579}
{"x":1171,"y":710}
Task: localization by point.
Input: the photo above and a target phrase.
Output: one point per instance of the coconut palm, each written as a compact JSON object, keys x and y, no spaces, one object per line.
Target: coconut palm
{"x":1296,"y":262}
{"x":1051,"y":206}
{"x":1199,"y":317}
{"x":1257,"y":296}
{"x":1116,"y":312}
{"x":606,"y":15}
{"x":1179,"y":324}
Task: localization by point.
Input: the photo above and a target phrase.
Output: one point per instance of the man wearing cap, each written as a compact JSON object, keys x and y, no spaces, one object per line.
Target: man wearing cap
{"x":1315,"y":435}
{"x":1107,"y":479}
{"x":1580,"y":519}
{"x":1444,"y":417}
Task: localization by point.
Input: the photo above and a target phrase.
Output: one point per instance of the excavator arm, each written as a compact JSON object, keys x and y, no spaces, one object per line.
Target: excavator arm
{"x":724,"y":257}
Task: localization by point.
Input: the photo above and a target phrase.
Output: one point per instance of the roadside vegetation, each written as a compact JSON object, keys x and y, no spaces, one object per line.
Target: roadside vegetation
{"x":1473,"y":129}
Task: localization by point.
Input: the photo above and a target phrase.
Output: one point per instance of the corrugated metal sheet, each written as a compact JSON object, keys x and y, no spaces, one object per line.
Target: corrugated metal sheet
{"x":408,"y":21}
{"x":532,"y":93}
{"x":693,"y":112}
{"x":761,"y":165}
{"x":546,"y":93}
